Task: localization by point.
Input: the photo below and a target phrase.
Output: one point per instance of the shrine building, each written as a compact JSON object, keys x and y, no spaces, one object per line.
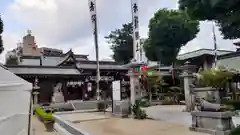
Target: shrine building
{"x":74,"y":73}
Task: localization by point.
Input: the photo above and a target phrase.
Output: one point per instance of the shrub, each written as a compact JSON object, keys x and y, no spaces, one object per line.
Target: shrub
{"x":137,"y":111}
{"x":167,"y":102}
{"x":46,"y":117}
{"x":216,"y":78}
{"x":101,"y":106}
{"x":234,"y":103}
{"x":144,"y":102}
{"x":235,"y":131}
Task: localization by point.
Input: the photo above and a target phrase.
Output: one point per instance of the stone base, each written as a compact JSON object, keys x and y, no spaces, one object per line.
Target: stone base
{"x":212,"y":132}
{"x":208,"y":93}
{"x":101,"y":105}
{"x":215,"y":123}
{"x":121,"y":108}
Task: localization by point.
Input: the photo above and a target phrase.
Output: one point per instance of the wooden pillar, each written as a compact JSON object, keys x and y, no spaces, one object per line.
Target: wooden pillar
{"x":64,"y":90}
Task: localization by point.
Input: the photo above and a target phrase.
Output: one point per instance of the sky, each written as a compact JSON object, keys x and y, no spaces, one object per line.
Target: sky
{"x":66,"y":24}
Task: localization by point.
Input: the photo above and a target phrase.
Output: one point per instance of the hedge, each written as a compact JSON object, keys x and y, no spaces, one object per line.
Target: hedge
{"x":234,"y":104}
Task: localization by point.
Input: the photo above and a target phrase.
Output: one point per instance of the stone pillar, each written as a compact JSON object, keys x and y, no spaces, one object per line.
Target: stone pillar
{"x":188,"y":77}
{"x":121,"y":107}
{"x":35,"y":97}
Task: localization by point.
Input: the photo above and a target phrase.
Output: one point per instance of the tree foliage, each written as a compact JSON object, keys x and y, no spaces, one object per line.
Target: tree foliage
{"x":1,"y":31}
{"x":169,"y":30}
{"x":12,"y":60}
{"x":122,"y":43}
{"x":224,"y":12}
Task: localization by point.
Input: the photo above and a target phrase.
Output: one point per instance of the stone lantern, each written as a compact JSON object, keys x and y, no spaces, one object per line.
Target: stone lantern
{"x":36,"y":92}
{"x":187,"y":75}
{"x":133,"y":73}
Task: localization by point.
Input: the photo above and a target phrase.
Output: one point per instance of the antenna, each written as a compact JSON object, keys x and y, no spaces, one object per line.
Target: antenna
{"x":29,"y":32}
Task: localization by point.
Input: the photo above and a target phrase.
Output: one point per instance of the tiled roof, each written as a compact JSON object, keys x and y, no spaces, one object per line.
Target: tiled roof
{"x":101,"y":66}
{"x":42,"y":70}
{"x":201,"y":52}
{"x":230,"y":55}
{"x":49,"y":61}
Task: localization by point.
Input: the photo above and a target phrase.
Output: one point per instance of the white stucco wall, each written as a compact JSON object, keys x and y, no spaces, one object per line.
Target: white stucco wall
{"x":34,"y":62}
{"x":233,"y":62}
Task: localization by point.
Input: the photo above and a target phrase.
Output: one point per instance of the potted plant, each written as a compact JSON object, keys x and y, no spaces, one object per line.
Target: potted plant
{"x":235,"y":131}
{"x":216,"y":77}
{"x":101,"y":105}
{"x":216,"y":80}
{"x":46,"y":117}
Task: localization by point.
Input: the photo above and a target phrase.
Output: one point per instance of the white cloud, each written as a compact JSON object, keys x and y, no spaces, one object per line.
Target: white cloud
{"x":204,"y":39}
{"x":66,"y":24}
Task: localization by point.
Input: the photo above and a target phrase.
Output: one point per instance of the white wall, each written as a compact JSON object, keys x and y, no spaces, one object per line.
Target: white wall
{"x":34,"y":62}
{"x":233,"y":62}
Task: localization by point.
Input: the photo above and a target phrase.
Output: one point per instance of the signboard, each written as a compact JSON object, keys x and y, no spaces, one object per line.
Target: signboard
{"x":89,"y":86}
{"x":93,"y":13}
{"x":116,"y":90}
{"x":107,"y":78}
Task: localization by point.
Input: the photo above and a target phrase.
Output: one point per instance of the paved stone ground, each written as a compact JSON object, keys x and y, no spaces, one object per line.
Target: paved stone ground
{"x":175,"y":114}
{"x":129,"y":126}
{"x":169,"y":120}
{"x":170,"y":113}
{"x":39,"y":129}
{"x":84,"y":116}
{"x":102,"y":124}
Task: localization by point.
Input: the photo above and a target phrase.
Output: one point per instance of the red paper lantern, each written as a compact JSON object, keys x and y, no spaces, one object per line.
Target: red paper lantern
{"x":144,"y":67}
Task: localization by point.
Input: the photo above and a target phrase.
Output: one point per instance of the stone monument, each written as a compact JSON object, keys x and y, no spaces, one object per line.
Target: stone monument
{"x":211,"y":118}
{"x":120,"y":106}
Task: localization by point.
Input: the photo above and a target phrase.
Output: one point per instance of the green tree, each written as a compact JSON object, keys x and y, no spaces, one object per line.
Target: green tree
{"x":224,"y":12}
{"x":12,"y":60}
{"x":1,"y":31}
{"x":122,"y":43}
{"x":169,"y":30}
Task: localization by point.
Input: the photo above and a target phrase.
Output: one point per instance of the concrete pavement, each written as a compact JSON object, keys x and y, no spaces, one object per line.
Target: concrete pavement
{"x":39,"y":128}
